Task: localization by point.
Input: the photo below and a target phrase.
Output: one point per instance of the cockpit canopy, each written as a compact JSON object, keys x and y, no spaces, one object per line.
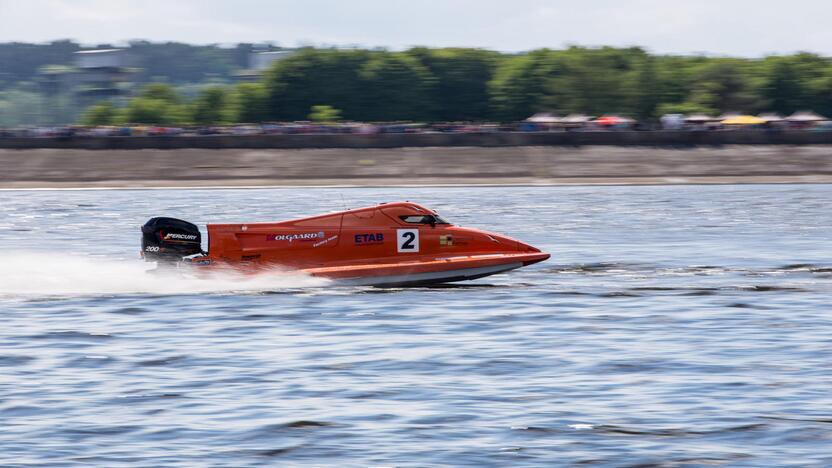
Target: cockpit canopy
{"x":412,"y":214}
{"x":430,"y":219}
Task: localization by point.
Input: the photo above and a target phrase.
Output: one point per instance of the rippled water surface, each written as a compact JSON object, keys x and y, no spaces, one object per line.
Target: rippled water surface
{"x":680,"y":326}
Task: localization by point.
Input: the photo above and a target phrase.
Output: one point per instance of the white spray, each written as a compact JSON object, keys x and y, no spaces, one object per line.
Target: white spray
{"x":33,"y":275}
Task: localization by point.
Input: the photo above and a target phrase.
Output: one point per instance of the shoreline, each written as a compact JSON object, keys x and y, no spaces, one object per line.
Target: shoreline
{"x":357,"y":184}
{"x":402,"y":167}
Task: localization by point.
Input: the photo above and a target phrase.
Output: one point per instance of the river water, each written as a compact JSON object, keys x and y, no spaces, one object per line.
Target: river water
{"x":679,"y":326}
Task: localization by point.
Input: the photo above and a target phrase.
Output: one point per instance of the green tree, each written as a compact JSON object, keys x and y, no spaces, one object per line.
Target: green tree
{"x":683,"y":108}
{"x":790,"y":83}
{"x":520,"y":85}
{"x":145,"y":111}
{"x":312,"y":76}
{"x":103,"y":113}
{"x":152,"y":111}
{"x":249,"y":103}
{"x":395,"y":87}
{"x":820,"y":89}
{"x":726,"y":85}
{"x":459,"y":89}
{"x":675,"y":79}
{"x":596,"y":81}
{"x":211,"y":106}
{"x":782,"y":89}
{"x":324,"y":114}
{"x":585,"y":80}
{"x":644,"y":93}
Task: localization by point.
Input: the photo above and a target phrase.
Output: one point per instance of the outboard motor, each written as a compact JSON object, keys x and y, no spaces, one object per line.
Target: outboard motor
{"x":169,"y":240}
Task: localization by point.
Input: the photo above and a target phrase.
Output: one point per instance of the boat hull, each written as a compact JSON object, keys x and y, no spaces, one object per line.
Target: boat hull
{"x":433,"y":271}
{"x":430,"y":278}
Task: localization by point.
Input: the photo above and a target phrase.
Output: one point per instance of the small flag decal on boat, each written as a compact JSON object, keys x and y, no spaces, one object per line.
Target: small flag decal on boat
{"x":446,"y":240}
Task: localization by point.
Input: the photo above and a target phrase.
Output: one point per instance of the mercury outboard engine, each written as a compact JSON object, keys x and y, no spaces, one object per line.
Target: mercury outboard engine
{"x":169,"y":240}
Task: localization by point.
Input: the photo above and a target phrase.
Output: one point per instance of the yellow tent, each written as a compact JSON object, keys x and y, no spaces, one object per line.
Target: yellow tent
{"x":744,"y":120}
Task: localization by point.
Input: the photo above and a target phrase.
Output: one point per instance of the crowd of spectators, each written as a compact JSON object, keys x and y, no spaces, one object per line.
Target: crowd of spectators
{"x":542,"y":122}
{"x":252,"y":129}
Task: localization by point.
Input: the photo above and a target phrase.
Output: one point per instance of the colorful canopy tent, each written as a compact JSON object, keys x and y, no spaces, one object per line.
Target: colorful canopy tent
{"x":806,"y":116}
{"x":772,"y":117}
{"x":576,"y":119}
{"x":544,"y":118}
{"x":744,"y":120}
{"x":700,"y":118}
{"x":610,"y":120}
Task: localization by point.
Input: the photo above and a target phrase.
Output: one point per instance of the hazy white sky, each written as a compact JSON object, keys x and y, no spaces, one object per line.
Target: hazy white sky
{"x":722,"y":27}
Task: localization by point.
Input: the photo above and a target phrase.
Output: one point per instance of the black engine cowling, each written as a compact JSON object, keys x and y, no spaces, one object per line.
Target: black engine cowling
{"x":169,"y":240}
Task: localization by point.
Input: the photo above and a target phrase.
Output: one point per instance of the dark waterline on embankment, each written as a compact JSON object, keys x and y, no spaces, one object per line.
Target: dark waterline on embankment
{"x":656,"y":138}
{"x":340,"y":185}
{"x":686,"y":325}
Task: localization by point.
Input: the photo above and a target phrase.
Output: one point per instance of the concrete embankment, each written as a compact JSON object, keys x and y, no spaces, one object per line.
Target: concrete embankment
{"x":43,"y":168}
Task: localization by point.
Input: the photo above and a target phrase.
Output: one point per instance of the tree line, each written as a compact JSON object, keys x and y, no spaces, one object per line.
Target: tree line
{"x":460,"y":84}
{"x":424,"y":84}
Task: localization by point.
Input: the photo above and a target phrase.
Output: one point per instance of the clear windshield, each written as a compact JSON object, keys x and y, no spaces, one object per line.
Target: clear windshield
{"x":423,"y":219}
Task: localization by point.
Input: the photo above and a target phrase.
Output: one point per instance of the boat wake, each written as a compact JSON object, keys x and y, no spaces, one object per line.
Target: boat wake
{"x":32,"y":275}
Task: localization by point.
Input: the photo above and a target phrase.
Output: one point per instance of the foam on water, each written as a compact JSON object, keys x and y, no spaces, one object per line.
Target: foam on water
{"x":43,"y":274}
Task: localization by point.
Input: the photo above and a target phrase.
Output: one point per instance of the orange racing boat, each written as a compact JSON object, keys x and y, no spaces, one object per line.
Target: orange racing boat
{"x":391,"y":244}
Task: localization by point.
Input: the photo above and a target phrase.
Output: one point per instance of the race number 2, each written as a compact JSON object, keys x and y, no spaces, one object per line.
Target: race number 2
{"x":407,"y":240}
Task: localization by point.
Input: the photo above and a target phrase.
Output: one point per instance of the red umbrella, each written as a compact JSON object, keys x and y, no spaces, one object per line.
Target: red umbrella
{"x":607,"y":120}
{"x":614,"y":120}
